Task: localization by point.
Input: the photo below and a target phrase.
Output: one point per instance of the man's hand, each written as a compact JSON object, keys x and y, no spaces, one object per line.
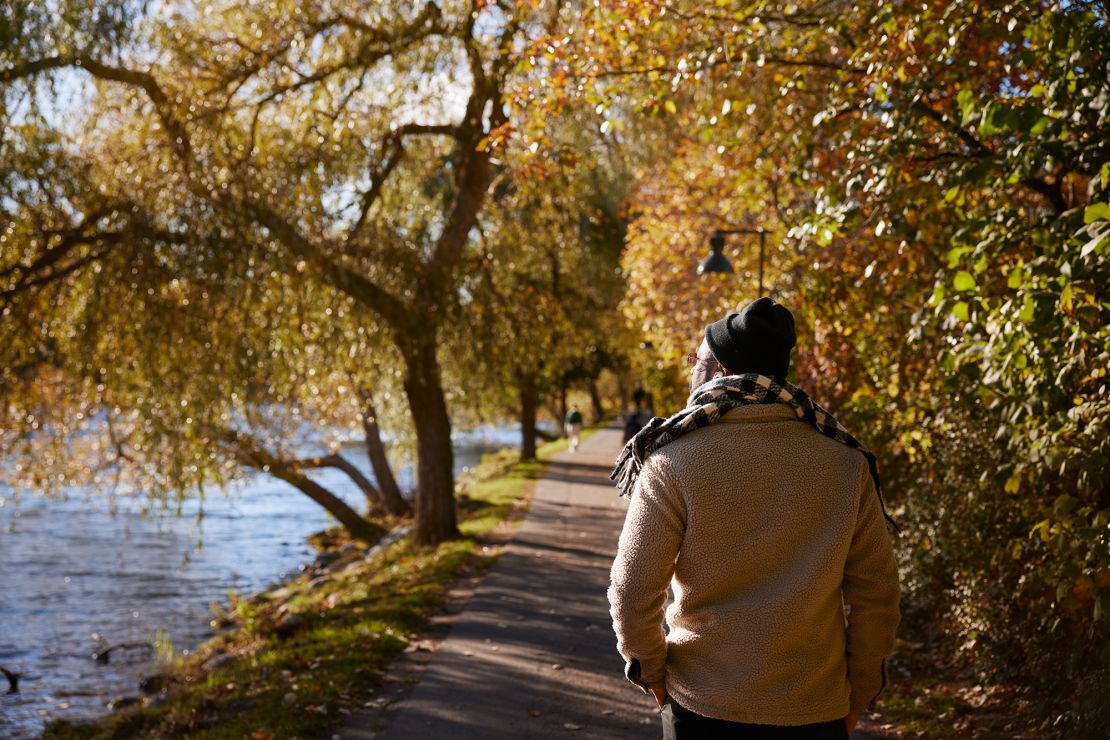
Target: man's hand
{"x":660,"y":696}
{"x":851,"y":720}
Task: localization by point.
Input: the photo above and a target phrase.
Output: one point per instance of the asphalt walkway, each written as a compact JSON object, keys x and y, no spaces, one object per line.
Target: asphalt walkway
{"x":532,"y":654}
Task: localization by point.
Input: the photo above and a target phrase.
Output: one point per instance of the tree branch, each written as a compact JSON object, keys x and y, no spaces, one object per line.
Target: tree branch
{"x":47,"y":268}
{"x":728,"y":62}
{"x":951,"y":127}
{"x":1049,"y":191}
{"x":249,"y":452}
{"x":370,"y":294}
{"x":335,"y":460}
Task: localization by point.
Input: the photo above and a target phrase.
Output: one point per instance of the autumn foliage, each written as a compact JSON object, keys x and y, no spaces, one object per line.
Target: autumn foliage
{"x":935,"y":177}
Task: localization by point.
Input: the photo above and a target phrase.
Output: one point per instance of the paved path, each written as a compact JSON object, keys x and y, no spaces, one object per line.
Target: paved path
{"x":533,"y":654}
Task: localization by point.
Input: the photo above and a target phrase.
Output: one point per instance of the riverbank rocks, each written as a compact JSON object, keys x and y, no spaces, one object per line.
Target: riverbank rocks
{"x":218,"y":660}
{"x":152,"y":684}
{"x":123,"y":702}
{"x":153,"y":702}
{"x":391,"y":538}
{"x":319,"y":581}
{"x":324,"y":559}
{"x":279,"y":594}
{"x":289,"y":625}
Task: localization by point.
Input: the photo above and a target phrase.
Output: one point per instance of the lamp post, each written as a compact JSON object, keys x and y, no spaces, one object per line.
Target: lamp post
{"x":717,"y":262}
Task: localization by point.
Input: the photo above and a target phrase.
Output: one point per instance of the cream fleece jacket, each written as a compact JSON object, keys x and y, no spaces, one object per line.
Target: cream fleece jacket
{"x":765,"y":529}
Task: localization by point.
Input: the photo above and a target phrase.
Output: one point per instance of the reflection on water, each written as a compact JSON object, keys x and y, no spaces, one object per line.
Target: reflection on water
{"x":69,"y":571}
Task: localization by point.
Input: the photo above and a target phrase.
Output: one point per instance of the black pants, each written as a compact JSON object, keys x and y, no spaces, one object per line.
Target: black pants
{"x":679,"y":723}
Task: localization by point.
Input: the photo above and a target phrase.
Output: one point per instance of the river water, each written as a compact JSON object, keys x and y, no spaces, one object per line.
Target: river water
{"x":71,"y":571}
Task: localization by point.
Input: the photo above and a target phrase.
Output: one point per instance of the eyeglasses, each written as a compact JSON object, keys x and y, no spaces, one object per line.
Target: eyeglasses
{"x":692,"y":360}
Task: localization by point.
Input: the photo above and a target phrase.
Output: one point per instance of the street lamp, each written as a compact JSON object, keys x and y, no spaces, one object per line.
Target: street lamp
{"x":717,"y":262}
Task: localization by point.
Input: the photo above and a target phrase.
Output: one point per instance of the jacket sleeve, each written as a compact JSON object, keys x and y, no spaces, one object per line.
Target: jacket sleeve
{"x":871,"y":591}
{"x":642,"y":570}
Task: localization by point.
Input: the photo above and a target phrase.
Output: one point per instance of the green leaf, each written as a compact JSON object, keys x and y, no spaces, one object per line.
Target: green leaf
{"x":1015,"y":278}
{"x":1092,"y":245}
{"x":963,"y":281}
{"x":1096,"y":212}
{"x":670,"y":106}
{"x":964,"y":99}
{"x":1042,"y":527}
{"x":960,"y":311}
{"x":988,"y":126}
{"x":1067,"y":298}
{"x":1064,"y":505}
{"x":823,"y":236}
{"x":1026,"y":313}
{"x":955,"y":254}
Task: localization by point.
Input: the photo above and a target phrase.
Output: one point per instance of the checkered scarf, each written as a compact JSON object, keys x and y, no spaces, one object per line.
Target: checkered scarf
{"x":709,"y":402}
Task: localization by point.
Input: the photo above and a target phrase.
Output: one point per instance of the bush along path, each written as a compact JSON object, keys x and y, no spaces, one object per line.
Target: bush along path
{"x":293,"y":661}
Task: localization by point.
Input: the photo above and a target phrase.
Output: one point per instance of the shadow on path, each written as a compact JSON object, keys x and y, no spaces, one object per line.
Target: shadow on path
{"x":532,"y":655}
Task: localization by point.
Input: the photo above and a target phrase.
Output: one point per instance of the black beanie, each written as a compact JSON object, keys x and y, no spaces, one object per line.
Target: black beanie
{"x":756,"y":340}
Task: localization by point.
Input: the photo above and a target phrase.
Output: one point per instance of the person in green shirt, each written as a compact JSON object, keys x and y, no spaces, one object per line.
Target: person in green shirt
{"x":573,"y":426}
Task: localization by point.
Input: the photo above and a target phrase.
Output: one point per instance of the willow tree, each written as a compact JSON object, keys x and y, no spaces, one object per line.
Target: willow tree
{"x":168,"y":364}
{"x":345,"y":144}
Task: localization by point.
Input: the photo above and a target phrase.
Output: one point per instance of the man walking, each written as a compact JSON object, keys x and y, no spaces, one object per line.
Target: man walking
{"x":765,"y":517}
{"x":572,"y":425}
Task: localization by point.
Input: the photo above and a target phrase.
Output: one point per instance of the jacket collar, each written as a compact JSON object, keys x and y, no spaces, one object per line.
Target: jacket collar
{"x":760,"y":412}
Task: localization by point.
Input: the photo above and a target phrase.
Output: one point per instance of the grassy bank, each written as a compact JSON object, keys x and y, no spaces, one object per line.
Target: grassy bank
{"x":293,"y":661}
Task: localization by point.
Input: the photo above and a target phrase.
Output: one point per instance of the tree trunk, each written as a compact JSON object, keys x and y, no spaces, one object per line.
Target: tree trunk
{"x":252,"y":454}
{"x":348,"y":517}
{"x":435,"y":519}
{"x":374,"y":496}
{"x":526,"y":382}
{"x":562,"y":402}
{"x":375,"y":450}
{"x":595,"y":399}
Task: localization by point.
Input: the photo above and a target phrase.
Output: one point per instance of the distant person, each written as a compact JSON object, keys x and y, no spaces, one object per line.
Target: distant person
{"x":638,"y":417}
{"x":764,"y":515}
{"x":573,"y":427}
